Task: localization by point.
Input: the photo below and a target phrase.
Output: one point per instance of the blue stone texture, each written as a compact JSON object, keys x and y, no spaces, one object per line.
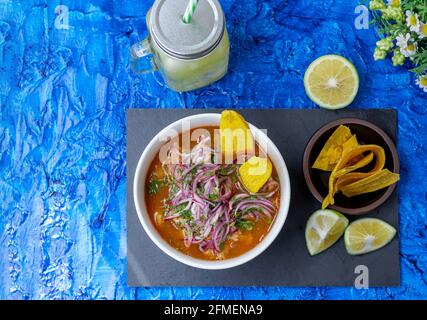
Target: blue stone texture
{"x":65,"y":84}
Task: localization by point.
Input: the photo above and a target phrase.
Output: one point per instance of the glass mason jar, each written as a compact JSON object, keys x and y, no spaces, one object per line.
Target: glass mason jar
{"x":189,"y":56}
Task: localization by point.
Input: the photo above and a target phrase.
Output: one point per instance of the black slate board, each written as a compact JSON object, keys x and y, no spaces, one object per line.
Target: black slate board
{"x":286,"y":262}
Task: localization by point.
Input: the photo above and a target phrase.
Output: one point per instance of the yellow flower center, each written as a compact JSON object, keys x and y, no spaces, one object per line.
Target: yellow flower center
{"x":410,"y":47}
{"x":395,"y":3}
{"x":423,"y":81}
{"x":412,"y":20}
{"x":423,"y":29}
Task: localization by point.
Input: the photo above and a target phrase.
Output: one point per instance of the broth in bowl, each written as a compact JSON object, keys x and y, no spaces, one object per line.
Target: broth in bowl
{"x":202,"y":207}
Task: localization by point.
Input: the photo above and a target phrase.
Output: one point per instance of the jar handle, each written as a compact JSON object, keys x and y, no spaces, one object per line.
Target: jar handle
{"x":142,"y":57}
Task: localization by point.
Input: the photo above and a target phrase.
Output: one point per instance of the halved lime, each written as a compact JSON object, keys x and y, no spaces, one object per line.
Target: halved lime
{"x":366,"y":235}
{"x":323,"y":229}
{"x":331,"y":81}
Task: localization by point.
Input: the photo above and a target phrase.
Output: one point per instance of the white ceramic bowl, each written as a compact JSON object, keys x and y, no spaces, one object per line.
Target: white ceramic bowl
{"x":203,"y":120}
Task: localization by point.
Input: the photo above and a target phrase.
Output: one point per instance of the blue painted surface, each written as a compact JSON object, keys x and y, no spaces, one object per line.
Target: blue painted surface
{"x":63,"y":95}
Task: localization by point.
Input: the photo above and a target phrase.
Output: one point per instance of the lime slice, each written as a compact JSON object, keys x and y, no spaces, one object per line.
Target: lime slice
{"x":331,"y":81}
{"x":366,"y":235}
{"x":323,"y":229}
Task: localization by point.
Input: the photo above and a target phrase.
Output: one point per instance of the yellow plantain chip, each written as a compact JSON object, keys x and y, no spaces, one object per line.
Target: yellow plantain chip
{"x":344,"y":156}
{"x":236,"y":137}
{"x":255,"y":172}
{"x":333,"y":149}
{"x":335,"y":175}
{"x":374,"y":182}
{"x":350,"y":178}
{"x":350,"y":144}
{"x":345,"y":166}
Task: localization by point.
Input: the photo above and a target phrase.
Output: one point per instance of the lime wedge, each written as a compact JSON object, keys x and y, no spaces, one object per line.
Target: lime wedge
{"x":366,"y":235}
{"x":323,"y":229}
{"x":331,"y":82}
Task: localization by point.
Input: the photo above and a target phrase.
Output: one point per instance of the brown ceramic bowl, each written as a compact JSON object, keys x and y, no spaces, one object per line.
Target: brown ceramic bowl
{"x":317,"y":180}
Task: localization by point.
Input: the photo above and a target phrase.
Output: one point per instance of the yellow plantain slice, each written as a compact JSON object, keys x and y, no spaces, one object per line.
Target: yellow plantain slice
{"x":343,"y":155}
{"x":236,"y":137}
{"x":344,"y":167}
{"x":350,"y":144}
{"x":374,"y":182}
{"x":255,"y":173}
{"x":337,"y":174}
{"x":333,"y":149}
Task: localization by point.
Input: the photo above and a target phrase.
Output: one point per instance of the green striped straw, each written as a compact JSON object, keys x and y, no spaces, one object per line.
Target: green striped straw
{"x":191,"y":7}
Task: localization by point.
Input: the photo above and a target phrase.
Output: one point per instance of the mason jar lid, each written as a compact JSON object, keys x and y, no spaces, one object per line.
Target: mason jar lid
{"x":187,"y":41}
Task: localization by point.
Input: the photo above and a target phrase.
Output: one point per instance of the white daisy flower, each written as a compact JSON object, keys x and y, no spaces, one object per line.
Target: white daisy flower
{"x":422,"y":82}
{"x":393,"y":3}
{"x":422,"y":31}
{"x":402,"y":40}
{"x":407,"y":45}
{"x":412,"y":21}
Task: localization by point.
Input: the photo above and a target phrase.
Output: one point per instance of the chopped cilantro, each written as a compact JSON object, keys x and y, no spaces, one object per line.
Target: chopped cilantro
{"x":180,"y":207}
{"x":154,"y":185}
{"x":224,"y":171}
{"x":244,"y":224}
{"x":250,"y":209}
{"x":213,"y":196}
{"x":186,"y":214}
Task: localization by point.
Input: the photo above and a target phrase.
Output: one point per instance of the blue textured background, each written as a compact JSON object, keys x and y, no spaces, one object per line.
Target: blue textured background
{"x":63,"y":95}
